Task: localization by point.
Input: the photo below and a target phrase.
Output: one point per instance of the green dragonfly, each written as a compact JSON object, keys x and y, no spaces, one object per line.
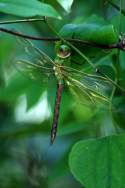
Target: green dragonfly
{"x":84,"y":86}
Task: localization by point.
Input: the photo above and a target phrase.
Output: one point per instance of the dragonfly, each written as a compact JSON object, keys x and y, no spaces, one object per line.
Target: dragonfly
{"x":84,"y":86}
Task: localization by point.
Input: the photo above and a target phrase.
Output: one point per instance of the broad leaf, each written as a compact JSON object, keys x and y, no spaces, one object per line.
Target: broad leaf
{"x":93,"y":30}
{"x":71,"y":128}
{"x":27,"y":8}
{"x":100,"y":162}
{"x":33,"y":94}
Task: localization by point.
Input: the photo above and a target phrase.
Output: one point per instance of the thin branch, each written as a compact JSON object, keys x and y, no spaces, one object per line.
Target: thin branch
{"x":120,"y":45}
{"x":22,"y":21}
{"x":26,"y":36}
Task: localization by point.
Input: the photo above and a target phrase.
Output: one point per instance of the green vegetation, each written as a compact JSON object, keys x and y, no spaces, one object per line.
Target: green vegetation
{"x":83,"y":43}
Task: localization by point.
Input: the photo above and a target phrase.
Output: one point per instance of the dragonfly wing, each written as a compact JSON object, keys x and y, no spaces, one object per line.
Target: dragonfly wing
{"x":87,"y":87}
{"x":101,"y":80}
{"x":33,"y":71}
{"x":34,"y":53}
{"x":33,"y":62}
{"x":86,"y":95}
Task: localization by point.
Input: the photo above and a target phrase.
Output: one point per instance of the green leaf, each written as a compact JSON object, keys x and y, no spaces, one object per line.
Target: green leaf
{"x":17,"y":86}
{"x":33,"y":94}
{"x":99,"y":163}
{"x":27,"y":8}
{"x":93,"y":30}
{"x":24,"y":130}
{"x":66,"y":4}
{"x":71,"y":128}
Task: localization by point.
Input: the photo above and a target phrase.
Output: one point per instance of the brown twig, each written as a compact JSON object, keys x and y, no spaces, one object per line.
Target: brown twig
{"x":120,"y":45}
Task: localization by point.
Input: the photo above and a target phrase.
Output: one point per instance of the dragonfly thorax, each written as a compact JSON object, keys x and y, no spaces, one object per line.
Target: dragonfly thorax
{"x":58,"y":73}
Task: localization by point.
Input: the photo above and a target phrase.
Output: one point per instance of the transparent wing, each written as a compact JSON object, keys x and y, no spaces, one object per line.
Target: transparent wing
{"x":102,"y":78}
{"x":33,"y":71}
{"x":80,"y":74}
{"x":34,"y":53}
{"x":87,"y":88}
{"x":34,"y":63}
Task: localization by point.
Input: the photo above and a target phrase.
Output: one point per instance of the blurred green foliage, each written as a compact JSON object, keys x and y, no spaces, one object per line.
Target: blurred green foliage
{"x":26,"y":158}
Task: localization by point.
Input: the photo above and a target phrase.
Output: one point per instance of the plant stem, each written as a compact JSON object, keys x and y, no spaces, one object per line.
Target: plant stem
{"x":53,"y":39}
{"x":22,"y":21}
{"x":116,"y":69}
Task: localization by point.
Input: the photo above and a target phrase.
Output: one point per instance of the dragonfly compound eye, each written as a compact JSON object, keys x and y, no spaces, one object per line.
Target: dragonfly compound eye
{"x":64,"y":51}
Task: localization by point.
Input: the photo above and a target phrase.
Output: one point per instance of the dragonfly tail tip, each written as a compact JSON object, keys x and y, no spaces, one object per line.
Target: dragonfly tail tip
{"x":52,"y":139}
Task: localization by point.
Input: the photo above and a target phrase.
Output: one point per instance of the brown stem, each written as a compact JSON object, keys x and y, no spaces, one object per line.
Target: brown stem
{"x":118,"y":45}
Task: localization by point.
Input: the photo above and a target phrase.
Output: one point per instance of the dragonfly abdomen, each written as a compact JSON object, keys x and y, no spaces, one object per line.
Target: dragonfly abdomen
{"x":56,"y":112}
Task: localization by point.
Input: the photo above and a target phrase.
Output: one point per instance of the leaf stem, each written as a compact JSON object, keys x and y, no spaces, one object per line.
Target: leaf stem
{"x":22,"y":21}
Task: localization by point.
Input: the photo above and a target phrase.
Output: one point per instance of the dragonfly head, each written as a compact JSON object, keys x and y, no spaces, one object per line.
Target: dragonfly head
{"x":63,"y":51}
